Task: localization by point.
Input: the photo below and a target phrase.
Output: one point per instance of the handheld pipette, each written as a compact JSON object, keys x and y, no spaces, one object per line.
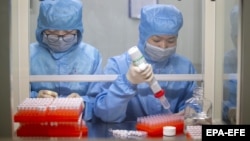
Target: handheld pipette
{"x":140,"y":61}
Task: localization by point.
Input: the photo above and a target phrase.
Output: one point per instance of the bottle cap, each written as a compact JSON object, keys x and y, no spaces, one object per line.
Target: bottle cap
{"x":169,"y":130}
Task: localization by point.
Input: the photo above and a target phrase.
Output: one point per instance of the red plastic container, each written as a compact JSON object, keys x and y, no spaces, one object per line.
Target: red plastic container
{"x":154,"y":124}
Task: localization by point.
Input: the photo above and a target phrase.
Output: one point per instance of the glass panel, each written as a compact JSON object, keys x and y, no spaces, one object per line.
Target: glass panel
{"x":103,"y":30}
{"x":99,"y":27}
{"x":230,"y":57}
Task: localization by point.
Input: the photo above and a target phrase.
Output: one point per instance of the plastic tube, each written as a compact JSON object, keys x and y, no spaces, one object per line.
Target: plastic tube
{"x":139,"y":60}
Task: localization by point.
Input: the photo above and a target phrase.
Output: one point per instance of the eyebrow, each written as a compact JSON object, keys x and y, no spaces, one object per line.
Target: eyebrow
{"x":171,"y":37}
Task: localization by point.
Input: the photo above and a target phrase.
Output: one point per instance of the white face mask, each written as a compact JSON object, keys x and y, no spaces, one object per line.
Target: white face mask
{"x":159,"y":54}
{"x":60,"y":45}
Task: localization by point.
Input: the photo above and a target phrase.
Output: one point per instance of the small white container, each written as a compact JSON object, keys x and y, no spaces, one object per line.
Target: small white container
{"x":169,"y":130}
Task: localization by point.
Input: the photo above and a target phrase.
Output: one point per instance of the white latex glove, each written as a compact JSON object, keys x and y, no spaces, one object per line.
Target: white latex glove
{"x":73,"y":95}
{"x":76,"y":95}
{"x":47,"y":94}
{"x":135,"y":75}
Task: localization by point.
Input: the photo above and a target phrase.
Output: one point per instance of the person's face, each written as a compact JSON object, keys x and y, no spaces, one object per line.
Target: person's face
{"x":66,"y":35}
{"x":163,"y":41}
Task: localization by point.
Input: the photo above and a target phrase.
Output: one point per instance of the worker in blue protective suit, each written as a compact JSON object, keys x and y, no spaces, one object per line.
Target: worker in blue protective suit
{"x":59,"y":50}
{"x":129,"y":95}
{"x":230,"y":67}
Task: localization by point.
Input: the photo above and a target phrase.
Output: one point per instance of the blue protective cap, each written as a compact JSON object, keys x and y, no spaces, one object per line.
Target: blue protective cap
{"x":160,"y":19}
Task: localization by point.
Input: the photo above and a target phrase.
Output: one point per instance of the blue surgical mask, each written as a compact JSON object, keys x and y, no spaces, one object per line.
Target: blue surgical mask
{"x":60,"y":45}
{"x":159,"y":54}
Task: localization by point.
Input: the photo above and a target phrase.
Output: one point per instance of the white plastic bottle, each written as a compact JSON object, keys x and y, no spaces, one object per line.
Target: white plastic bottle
{"x":139,"y":60}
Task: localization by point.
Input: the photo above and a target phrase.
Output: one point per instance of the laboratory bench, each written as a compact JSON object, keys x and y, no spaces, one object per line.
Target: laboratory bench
{"x":101,"y":131}
{"x":61,"y":119}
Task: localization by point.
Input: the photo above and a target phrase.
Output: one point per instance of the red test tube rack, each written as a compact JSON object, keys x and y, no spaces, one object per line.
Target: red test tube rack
{"x":154,"y":124}
{"x":48,"y":117}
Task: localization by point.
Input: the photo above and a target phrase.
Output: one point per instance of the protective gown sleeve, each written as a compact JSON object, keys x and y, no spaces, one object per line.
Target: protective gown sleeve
{"x":111,"y":103}
{"x":93,"y":89}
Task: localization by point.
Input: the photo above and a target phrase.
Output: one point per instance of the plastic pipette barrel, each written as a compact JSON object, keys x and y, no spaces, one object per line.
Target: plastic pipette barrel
{"x":140,"y":61}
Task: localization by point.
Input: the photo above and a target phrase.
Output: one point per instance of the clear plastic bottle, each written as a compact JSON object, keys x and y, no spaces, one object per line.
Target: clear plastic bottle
{"x":139,"y":60}
{"x":198,"y":110}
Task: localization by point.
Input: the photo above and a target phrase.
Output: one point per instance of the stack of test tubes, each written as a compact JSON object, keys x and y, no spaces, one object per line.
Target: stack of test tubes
{"x":154,"y":124}
{"x":49,"y":117}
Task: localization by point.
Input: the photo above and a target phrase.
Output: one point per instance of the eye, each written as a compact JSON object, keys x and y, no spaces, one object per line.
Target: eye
{"x":69,"y":37}
{"x":171,"y":41}
{"x":156,"y":40}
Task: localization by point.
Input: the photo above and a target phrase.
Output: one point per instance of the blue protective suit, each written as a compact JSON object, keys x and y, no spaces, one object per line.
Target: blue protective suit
{"x":230,"y":86}
{"x":230,"y":66}
{"x":122,"y":101}
{"x":81,"y":58}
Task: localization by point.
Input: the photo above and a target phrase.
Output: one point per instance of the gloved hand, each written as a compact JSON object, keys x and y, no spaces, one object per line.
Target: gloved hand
{"x":135,"y":75}
{"x":73,"y":95}
{"x":47,"y":94}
